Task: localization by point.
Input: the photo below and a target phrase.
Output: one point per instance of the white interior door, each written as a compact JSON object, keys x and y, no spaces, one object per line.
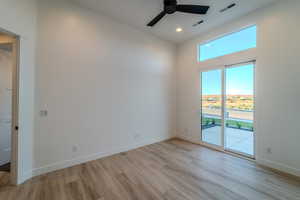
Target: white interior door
{"x":6,"y":66}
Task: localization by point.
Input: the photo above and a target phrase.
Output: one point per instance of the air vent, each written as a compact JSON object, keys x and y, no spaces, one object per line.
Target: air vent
{"x":198,"y":23}
{"x":228,"y":7}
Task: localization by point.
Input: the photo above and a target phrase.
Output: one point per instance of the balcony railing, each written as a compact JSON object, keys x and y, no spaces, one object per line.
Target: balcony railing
{"x":209,"y":120}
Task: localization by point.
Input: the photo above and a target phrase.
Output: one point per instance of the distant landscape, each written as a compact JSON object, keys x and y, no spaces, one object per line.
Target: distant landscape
{"x":239,"y":111}
{"x":236,"y":102}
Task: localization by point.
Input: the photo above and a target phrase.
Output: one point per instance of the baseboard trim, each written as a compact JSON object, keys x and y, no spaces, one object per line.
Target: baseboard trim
{"x":80,"y":160}
{"x":26,"y":176}
{"x":278,"y":167}
{"x":84,"y":159}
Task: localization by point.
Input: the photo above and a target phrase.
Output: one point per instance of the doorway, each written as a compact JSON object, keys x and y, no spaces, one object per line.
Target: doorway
{"x":9,"y":45}
{"x":227,"y":108}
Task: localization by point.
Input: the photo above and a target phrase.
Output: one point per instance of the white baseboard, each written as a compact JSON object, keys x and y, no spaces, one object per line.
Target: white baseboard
{"x":84,"y":159}
{"x":278,"y":166}
{"x":26,"y":176}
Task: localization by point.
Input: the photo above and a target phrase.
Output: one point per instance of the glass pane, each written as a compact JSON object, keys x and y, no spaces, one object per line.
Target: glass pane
{"x":239,"y":109}
{"x":235,"y":42}
{"x":211,"y":107}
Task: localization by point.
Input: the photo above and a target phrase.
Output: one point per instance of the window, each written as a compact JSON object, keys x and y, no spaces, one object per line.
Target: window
{"x":235,"y":42}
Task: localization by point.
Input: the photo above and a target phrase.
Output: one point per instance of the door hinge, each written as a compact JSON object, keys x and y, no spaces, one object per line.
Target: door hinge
{"x":16,"y":128}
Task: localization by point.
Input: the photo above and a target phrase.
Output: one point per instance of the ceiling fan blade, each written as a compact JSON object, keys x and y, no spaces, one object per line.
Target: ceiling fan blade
{"x":157,"y":18}
{"x":194,"y":9}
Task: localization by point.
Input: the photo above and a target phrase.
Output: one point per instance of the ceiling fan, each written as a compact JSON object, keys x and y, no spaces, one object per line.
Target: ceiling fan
{"x":171,"y":6}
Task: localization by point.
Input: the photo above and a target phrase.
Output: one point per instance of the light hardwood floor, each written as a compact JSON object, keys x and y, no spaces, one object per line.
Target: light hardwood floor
{"x":172,"y":170}
{"x":4,"y":179}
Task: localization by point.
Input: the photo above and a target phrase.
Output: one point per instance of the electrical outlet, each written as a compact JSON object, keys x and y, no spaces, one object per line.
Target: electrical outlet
{"x":44,"y":113}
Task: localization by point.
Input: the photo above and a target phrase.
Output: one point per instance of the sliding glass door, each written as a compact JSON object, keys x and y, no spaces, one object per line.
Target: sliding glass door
{"x":212,"y":107}
{"x":239,"y":107}
{"x":227,"y":106}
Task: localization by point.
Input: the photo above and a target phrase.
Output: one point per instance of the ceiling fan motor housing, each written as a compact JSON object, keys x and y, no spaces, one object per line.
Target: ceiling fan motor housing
{"x":170,"y":6}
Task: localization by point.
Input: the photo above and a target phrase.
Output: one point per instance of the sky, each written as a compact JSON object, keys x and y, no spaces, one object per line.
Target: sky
{"x":239,"y":81}
{"x":235,"y":42}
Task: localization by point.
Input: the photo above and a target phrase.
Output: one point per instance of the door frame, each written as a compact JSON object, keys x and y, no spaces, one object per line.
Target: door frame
{"x":223,"y":99}
{"x":15,"y":106}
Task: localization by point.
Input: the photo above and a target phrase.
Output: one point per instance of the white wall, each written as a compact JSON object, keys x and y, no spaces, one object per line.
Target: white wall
{"x":6,"y":66}
{"x":277,"y":84}
{"x":20,"y":17}
{"x":106,"y":86}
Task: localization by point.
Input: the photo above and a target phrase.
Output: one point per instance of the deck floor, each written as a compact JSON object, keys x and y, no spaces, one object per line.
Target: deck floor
{"x":235,"y":139}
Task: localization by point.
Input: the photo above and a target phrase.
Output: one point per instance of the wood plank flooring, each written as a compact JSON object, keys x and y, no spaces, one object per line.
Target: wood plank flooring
{"x":172,"y":170}
{"x":4,"y":179}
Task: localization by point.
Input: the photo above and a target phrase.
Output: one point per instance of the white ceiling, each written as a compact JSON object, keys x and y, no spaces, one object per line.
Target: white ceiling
{"x":138,"y":13}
